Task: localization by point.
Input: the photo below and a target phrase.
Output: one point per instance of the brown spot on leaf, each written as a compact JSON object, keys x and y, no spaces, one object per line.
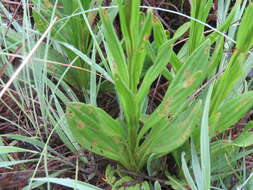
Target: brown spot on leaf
{"x":189,"y":82}
{"x":48,"y":4}
{"x":70,"y":114}
{"x":146,"y":38}
{"x":80,"y":124}
{"x":155,"y":20}
{"x":114,"y":66}
{"x":167,"y":105}
{"x":116,"y":139}
{"x":245,"y":101}
{"x":94,"y":143}
{"x":78,"y":106}
{"x":187,"y":73}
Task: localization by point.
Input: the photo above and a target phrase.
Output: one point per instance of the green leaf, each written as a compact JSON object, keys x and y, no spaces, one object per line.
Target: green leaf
{"x":5,"y":164}
{"x":127,"y":100}
{"x":180,"y":32}
{"x":187,"y":80}
{"x":168,"y":135}
{"x":176,"y":133}
{"x":96,"y":131}
{"x":214,"y":35}
{"x":198,"y":61}
{"x":121,"y":184}
{"x":196,"y":166}
{"x":139,"y":54}
{"x":37,"y":184}
{"x":199,"y":10}
{"x":12,"y":149}
{"x":245,"y":31}
{"x":157,"y":186}
{"x":75,"y":184}
{"x":205,"y":141}
{"x":154,"y":71}
{"x":226,"y":83}
{"x":30,"y":140}
{"x":230,"y":112}
{"x":187,"y":174}
{"x":119,"y":65}
{"x":246,"y":137}
{"x":175,"y":61}
{"x":159,"y":32}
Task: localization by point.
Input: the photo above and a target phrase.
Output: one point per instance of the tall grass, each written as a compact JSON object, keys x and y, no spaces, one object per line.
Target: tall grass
{"x":45,"y":79}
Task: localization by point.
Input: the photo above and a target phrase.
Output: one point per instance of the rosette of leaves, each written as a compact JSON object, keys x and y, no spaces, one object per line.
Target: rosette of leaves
{"x":73,"y":30}
{"x":134,"y":137}
{"x":131,"y":140}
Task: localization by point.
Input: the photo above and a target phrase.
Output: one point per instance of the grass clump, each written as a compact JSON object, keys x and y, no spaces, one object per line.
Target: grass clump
{"x":206,"y":94}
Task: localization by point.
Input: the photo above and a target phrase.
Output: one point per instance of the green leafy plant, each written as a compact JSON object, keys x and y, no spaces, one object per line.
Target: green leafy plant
{"x":73,"y":30}
{"x":135,"y":136}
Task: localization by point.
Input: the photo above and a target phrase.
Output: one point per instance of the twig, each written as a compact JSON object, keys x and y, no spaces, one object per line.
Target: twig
{"x":196,"y":94}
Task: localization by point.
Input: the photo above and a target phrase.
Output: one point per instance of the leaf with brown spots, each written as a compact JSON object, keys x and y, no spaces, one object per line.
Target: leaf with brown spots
{"x":95,"y":130}
{"x":167,"y":137}
{"x":230,"y":112}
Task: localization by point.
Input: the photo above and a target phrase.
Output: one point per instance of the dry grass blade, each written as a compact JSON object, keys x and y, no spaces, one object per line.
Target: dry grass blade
{"x":27,"y":59}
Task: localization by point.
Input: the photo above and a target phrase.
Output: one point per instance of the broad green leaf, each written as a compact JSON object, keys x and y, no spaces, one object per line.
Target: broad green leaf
{"x":187,"y":80}
{"x":230,"y":112}
{"x":198,"y":61}
{"x":226,"y":83}
{"x":133,"y":18}
{"x":124,"y":25}
{"x":245,"y":32}
{"x":95,"y":130}
{"x":246,"y":137}
{"x":176,"y":133}
{"x":174,"y":101}
{"x":169,"y":135}
{"x":127,"y":101}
